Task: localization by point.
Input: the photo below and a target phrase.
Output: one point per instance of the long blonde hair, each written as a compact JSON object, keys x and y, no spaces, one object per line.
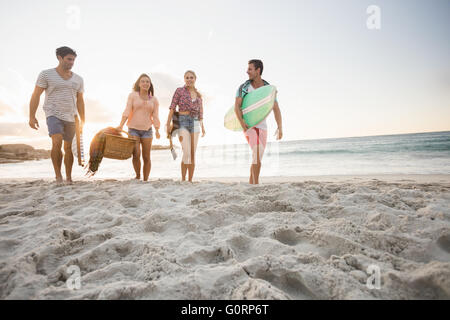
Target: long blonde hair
{"x":195,"y":76}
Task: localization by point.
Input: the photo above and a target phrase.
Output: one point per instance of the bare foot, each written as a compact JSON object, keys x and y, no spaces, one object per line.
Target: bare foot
{"x":69,"y":181}
{"x":59,"y":181}
{"x":137,"y":178}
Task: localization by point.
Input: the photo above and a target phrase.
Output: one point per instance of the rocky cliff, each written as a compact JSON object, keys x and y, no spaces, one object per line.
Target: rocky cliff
{"x":21,"y":152}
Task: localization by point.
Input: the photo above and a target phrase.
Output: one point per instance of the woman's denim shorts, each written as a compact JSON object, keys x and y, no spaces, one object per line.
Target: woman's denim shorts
{"x":190,"y":123}
{"x":141,"y":133}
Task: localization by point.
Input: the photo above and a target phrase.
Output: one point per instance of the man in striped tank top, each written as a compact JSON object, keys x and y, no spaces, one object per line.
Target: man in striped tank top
{"x":63,"y":100}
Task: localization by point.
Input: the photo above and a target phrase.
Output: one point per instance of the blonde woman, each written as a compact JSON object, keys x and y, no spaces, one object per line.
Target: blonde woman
{"x":190,"y":117}
{"x":142,"y":113}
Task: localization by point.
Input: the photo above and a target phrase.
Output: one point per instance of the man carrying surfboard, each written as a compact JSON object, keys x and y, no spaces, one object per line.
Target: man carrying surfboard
{"x":63,"y":98}
{"x":256,"y":134}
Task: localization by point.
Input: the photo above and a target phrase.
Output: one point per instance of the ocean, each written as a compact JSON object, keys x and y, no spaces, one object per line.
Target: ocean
{"x":419,"y":153}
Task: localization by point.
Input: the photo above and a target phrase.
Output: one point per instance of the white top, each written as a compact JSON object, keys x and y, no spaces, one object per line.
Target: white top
{"x":262,"y":124}
{"x":60,"y":95}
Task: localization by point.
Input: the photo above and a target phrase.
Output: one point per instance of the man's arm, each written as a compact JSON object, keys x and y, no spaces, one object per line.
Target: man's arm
{"x":277,"y":114}
{"x":34,"y":104}
{"x":80,"y":106}
{"x":238,"y":111}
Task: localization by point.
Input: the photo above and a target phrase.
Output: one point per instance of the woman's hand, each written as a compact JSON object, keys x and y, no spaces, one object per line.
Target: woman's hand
{"x":157,"y":134}
{"x":122,"y":122}
{"x":203,"y":127}
{"x":168,"y":127}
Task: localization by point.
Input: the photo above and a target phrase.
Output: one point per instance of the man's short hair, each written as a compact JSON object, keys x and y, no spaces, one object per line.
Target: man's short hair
{"x":64,"y":51}
{"x":258,"y":64}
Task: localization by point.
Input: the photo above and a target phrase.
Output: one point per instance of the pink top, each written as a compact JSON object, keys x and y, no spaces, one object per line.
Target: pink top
{"x":142,"y":114}
{"x":182,"y":99}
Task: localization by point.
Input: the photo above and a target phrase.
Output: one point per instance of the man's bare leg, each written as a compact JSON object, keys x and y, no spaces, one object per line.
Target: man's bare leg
{"x":251,"y":179}
{"x":56,"y":156}
{"x":256,"y":167}
{"x":68,"y":160}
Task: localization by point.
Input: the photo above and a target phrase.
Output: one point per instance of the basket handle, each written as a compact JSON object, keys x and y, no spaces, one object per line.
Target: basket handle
{"x":126,"y":133}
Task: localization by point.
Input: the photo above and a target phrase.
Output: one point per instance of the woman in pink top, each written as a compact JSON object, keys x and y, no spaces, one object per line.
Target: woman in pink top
{"x":142,"y":112}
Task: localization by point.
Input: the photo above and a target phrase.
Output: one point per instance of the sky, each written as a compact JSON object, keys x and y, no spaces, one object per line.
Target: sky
{"x":335,"y":76}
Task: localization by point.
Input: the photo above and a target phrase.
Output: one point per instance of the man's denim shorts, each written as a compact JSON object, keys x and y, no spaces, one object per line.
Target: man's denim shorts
{"x":66,"y":128}
{"x":189,"y":123}
{"x":141,"y":133}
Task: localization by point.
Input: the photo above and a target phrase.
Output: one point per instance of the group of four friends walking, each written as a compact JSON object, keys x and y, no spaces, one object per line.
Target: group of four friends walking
{"x":64,"y":100}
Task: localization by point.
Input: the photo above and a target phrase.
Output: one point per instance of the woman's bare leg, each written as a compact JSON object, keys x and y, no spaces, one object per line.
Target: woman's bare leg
{"x":183,"y":171}
{"x":185,"y":146}
{"x":193,"y":146}
{"x":146,"y":149}
{"x":136,"y":158}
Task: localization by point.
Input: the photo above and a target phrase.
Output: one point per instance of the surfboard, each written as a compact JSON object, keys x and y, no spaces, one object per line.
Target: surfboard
{"x":256,"y":106}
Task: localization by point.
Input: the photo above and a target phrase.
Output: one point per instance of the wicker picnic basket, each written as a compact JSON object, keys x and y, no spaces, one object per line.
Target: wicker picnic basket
{"x":118,"y":147}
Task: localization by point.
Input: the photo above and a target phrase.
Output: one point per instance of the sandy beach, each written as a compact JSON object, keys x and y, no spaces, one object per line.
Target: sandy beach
{"x":221,"y":238}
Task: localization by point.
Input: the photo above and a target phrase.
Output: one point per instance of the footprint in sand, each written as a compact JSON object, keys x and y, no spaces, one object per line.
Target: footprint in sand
{"x":288,"y":282}
{"x":287,"y":236}
{"x":444,"y":242}
{"x":294,"y":239}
